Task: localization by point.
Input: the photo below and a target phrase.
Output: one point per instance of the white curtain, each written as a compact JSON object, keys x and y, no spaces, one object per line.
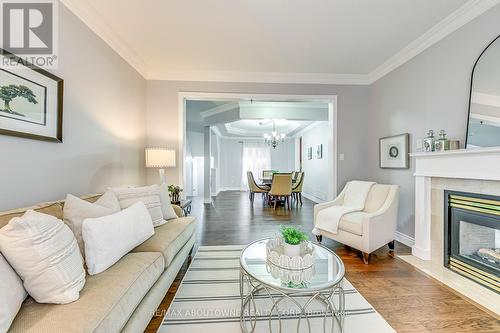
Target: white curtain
{"x":256,"y":157}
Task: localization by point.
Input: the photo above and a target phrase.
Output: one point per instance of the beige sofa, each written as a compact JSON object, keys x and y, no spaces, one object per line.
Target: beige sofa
{"x":124,"y":297}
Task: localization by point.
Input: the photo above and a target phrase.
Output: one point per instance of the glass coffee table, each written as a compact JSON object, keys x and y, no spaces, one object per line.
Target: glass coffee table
{"x":290,"y":294}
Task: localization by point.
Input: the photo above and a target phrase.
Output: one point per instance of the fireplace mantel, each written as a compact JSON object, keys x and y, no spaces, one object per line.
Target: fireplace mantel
{"x":479,"y":164}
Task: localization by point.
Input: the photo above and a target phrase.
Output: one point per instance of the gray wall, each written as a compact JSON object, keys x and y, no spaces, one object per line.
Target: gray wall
{"x":316,"y":170}
{"x":163,"y":122}
{"x":104,"y":127}
{"x":429,"y":92}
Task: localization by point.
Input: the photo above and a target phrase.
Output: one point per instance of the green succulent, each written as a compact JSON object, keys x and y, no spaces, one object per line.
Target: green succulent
{"x":174,"y":189}
{"x":292,"y":235}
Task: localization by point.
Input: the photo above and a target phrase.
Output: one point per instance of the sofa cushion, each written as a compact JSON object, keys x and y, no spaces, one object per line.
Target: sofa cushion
{"x":54,"y":208}
{"x":169,"y":238}
{"x":106,"y":302}
{"x":353,"y":223}
{"x":50,"y":208}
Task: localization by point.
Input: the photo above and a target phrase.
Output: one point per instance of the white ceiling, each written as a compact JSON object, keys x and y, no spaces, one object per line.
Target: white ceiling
{"x":323,"y":41}
{"x":257,"y":128}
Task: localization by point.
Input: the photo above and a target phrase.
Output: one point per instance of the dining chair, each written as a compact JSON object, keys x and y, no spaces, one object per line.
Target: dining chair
{"x":297,"y":187}
{"x":281,"y":187}
{"x":253,"y":187}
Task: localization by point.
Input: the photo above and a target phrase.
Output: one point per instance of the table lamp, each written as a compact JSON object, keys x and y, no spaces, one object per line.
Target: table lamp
{"x":160,"y":158}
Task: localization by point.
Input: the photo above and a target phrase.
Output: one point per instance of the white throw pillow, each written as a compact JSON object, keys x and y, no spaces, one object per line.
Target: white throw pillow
{"x":166,"y":206}
{"x":149,"y":195}
{"x":44,"y":253}
{"x":12,"y":294}
{"x":109,"y":238}
{"x":76,"y":210}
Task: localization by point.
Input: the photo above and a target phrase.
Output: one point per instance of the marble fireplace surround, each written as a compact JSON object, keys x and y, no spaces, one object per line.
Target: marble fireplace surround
{"x":474,"y":171}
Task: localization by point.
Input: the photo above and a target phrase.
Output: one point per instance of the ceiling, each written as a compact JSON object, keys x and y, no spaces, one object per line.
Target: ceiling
{"x":320,"y":41}
{"x":257,"y":128}
{"x":238,"y":119}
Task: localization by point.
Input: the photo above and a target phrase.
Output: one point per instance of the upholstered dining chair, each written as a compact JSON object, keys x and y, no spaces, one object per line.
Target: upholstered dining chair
{"x":253,"y":187}
{"x":297,"y":187}
{"x":281,"y":187}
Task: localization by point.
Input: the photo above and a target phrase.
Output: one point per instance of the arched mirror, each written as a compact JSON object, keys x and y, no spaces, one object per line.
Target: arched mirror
{"x":483,"y":128}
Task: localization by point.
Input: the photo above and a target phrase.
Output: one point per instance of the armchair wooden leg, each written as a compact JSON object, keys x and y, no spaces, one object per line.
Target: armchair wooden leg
{"x":391,"y":245}
{"x":275,"y":201}
{"x":319,"y":238}
{"x":366,"y":258}
{"x":300,"y":198}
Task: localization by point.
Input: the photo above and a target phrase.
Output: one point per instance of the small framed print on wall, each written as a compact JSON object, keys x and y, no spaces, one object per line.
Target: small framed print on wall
{"x":30,"y":100}
{"x":393,"y":152}
{"x":310,"y":153}
{"x":319,"y":152}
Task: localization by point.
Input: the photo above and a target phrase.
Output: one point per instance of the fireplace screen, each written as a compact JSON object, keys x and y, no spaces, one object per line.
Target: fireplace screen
{"x":472,"y":237}
{"x":479,"y":243}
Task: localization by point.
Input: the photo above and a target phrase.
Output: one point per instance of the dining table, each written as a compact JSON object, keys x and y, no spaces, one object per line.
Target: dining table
{"x":269,"y":180}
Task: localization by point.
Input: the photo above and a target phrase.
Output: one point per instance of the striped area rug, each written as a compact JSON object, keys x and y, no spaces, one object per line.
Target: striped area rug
{"x":208,"y":300}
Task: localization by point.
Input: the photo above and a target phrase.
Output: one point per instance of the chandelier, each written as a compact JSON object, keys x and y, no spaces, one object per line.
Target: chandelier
{"x":275,"y":138}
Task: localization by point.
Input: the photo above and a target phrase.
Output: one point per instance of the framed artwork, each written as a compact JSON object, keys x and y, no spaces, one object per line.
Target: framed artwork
{"x":310,"y":153}
{"x":319,"y":152}
{"x":30,"y":101}
{"x":393,"y":152}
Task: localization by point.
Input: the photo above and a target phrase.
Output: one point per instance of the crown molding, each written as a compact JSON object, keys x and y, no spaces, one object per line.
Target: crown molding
{"x":463,"y":15}
{"x":467,"y":12}
{"x":261,"y":77}
{"x":219,"y":109}
{"x":88,"y":15}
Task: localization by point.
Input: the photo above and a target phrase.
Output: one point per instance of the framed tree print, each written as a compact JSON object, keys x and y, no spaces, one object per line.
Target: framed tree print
{"x":393,"y":152}
{"x":30,"y":100}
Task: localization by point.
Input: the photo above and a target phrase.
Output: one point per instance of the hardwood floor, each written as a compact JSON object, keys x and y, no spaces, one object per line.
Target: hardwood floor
{"x":409,"y":300}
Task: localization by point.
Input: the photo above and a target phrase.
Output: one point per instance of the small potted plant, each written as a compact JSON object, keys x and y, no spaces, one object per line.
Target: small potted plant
{"x":174,"y":193}
{"x":292,"y":238}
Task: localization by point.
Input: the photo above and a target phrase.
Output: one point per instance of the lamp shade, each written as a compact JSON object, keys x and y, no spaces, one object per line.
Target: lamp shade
{"x":160,"y":158}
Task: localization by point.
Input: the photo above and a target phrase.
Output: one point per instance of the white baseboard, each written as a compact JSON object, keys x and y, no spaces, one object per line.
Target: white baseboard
{"x":232,"y":189}
{"x":312,"y":198}
{"x":405,"y":239}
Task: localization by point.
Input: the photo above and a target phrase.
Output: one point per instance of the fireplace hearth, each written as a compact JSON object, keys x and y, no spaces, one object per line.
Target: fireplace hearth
{"x":472,"y":237}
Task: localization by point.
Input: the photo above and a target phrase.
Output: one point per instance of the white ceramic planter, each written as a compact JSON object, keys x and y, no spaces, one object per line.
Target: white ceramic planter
{"x":291,"y":250}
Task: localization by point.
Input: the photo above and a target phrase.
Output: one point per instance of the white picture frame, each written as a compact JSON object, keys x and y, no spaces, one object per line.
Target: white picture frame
{"x":394,"y":152}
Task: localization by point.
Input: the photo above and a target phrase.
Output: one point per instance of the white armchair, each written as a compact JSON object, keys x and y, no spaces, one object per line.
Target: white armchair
{"x":369,"y":229}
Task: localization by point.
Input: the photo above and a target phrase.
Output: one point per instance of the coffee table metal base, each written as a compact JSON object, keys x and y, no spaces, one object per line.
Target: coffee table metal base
{"x":250,"y":288}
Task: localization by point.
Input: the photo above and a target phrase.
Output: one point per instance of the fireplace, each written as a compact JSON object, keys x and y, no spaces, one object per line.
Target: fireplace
{"x":472,"y":237}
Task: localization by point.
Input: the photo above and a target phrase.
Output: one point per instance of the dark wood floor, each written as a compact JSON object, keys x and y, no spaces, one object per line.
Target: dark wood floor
{"x":409,"y":300}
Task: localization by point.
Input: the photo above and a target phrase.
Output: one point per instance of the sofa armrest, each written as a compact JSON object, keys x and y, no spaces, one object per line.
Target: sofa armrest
{"x":178,"y":210}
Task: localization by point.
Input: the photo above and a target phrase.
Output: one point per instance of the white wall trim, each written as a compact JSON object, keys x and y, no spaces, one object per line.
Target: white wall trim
{"x":312,"y":198}
{"x":463,"y":15}
{"x":85,"y":12}
{"x":262,"y":77}
{"x":241,"y":189}
{"x":405,"y":239}
{"x":219,"y":109}
{"x":467,"y":12}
